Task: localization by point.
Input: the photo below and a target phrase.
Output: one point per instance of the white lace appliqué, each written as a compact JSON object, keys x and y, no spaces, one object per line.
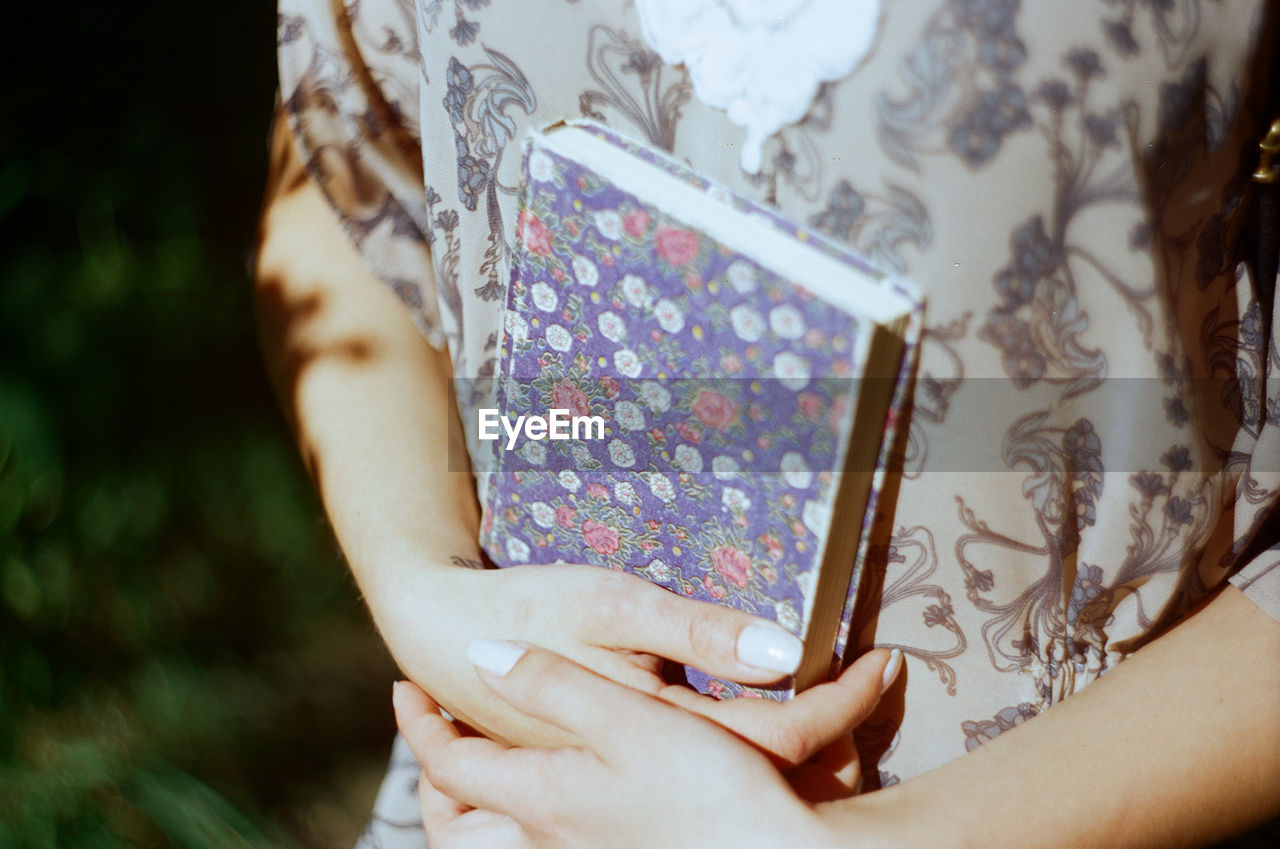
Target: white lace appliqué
{"x":760,"y":60}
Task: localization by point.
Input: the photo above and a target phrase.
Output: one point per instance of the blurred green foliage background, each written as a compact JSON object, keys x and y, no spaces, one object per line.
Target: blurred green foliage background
{"x":184,"y":660}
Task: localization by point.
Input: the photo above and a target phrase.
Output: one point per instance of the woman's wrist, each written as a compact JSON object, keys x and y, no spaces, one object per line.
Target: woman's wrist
{"x":893,"y":818}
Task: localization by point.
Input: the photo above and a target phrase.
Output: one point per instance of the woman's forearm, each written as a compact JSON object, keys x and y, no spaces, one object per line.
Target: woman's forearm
{"x":369,"y":401}
{"x":1178,"y":746}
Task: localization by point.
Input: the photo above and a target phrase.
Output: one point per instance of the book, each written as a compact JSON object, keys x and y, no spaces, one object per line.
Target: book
{"x":693,"y":389}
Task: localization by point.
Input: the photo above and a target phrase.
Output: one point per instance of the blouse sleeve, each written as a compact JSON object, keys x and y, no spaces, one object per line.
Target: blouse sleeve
{"x":349,"y":88}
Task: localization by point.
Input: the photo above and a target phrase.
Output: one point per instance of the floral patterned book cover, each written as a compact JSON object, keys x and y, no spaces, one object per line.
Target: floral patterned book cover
{"x":677,"y":400}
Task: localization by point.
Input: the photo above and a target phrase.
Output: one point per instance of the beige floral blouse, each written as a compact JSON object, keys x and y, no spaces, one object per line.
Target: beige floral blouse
{"x":1094,"y":439}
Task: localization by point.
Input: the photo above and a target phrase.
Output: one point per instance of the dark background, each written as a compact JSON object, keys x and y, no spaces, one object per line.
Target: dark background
{"x":184,"y":660}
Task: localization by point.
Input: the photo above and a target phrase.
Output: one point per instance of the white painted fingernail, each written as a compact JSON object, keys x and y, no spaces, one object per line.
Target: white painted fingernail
{"x":891,"y":670}
{"x":495,"y":656}
{"x":769,"y":647}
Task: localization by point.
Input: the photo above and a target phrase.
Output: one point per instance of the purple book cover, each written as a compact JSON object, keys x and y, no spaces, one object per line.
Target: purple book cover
{"x":706,"y":403}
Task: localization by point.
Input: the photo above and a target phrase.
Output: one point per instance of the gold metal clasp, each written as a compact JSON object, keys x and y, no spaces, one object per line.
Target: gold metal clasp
{"x":1270,"y":146}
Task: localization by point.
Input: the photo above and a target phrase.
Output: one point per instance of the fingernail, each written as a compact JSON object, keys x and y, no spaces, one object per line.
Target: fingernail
{"x":769,"y":647}
{"x":494,"y":656}
{"x":397,"y":693}
{"x":891,"y":670}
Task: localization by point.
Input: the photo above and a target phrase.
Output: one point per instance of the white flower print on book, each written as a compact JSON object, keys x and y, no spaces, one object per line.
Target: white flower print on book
{"x":609,"y":224}
{"x":747,"y":323}
{"x":621,"y":454}
{"x":544,"y":297}
{"x":786,"y":615}
{"x":742,"y":276}
{"x":517,"y":327}
{"x":569,"y":480}
{"x":724,"y":467}
{"x":655,"y":396}
{"x":786,"y":321}
{"x":627,"y":363}
{"x":659,"y":572}
{"x":625,"y":493}
{"x":687,"y":458}
{"x":735,"y":499}
{"x":558,"y":338}
{"x":612,"y":327}
{"x":816,"y":516}
{"x":517,"y":550}
{"x":585,"y":272}
{"x":795,"y":470}
{"x":534,"y":453}
{"x":629,"y":416}
{"x":543,"y":514}
{"x":669,"y":315}
{"x":792,"y":369}
{"x":635,"y":290}
{"x":660,"y":485}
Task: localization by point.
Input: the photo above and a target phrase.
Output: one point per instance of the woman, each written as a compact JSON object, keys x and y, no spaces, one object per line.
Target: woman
{"x":1067,"y":185}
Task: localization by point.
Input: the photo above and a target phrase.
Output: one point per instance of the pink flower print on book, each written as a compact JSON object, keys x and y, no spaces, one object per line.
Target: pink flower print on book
{"x":567,"y":395}
{"x":602,"y":539}
{"x":636,"y":224}
{"x":715,"y":410}
{"x":678,"y":247}
{"x":536,"y":235}
{"x":565,"y":516}
{"x":732,"y":565}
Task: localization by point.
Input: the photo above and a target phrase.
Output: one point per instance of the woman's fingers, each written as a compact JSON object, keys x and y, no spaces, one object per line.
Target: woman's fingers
{"x":795,"y":730}
{"x":630,"y":613}
{"x":549,"y":687}
{"x":472,"y":771}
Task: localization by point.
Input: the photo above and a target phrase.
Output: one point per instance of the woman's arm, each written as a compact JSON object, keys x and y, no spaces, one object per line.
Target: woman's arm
{"x":1176,"y":747}
{"x":369,"y":400}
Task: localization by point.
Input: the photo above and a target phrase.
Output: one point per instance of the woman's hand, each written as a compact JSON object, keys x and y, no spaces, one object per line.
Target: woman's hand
{"x":649,"y":773}
{"x":621,"y":627}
